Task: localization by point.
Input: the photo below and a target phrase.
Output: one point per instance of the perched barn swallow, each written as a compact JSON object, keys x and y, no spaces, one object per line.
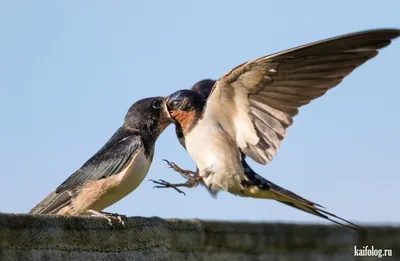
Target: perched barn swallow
{"x":116,"y":169}
{"x":248,"y":110}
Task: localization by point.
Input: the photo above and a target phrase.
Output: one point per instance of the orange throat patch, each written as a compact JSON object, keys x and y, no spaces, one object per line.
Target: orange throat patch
{"x":184,"y":118}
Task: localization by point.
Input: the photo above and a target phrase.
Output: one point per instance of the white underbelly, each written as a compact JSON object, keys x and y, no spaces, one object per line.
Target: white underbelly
{"x":205,"y":148}
{"x":217,"y":157}
{"x":126,"y":181}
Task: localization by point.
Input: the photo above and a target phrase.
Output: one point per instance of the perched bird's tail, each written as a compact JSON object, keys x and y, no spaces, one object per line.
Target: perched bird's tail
{"x":51,"y":204}
{"x":260,"y":187}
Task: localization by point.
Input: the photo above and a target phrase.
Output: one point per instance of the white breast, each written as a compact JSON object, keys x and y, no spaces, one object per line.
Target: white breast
{"x":123,"y":183}
{"x":135,"y":172}
{"x":213,"y":151}
{"x":201,"y":144}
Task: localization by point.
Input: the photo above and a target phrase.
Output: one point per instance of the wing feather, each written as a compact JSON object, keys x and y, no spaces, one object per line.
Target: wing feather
{"x":263,"y":95}
{"x":111,"y":159}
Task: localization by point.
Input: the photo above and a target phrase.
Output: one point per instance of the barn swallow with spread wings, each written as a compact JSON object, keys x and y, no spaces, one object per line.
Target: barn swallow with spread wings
{"x":247,"y":111}
{"x":116,"y":169}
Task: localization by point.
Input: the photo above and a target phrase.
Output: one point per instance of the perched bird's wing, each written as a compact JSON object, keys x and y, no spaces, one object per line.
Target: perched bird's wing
{"x":115,"y":155}
{"x":256,"y":101}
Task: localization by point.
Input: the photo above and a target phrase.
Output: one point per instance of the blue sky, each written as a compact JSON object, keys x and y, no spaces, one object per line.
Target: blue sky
{"x":71,"y":69}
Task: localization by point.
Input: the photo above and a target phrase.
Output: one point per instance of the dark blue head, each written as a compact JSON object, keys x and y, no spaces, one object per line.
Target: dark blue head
{"x":149,"y":115}
{"x":185,"y":107}
{"x":185,"y":100}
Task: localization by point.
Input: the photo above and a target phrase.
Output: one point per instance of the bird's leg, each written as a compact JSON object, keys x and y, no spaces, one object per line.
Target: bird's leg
{"x":108,"y":216}
{"x":188,"y":174}
{"x":193,"y":179}
{"x":164,"y":184}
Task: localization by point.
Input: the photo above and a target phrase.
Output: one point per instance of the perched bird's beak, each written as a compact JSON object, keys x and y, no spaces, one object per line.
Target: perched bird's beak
{"x":167,"y":108}
{"x":168,"y":103}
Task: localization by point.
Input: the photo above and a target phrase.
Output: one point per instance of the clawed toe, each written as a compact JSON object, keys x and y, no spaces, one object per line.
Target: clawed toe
{"x":109,"y":216}
{"x":164,"y":184}
{"x":172,"y":165}
{"x":120,"y":218}
{"x":185,"y":173}
{"x":192,"y":177}
{"x":156,"y":182}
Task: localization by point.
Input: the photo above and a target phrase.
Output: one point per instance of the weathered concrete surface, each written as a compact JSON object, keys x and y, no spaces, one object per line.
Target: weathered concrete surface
{"x":27,"y":237}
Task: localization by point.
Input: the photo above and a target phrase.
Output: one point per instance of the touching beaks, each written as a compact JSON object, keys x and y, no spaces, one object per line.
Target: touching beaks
{"x":168,"y":101}
{"x":167,"y":108}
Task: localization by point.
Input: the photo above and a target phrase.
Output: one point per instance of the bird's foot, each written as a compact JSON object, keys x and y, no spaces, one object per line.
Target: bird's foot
{"x":109,"y":216}
{"x":188,"y":174}
{"x":121,"y":218}
{"x":193,"y":178}
{"x":164,"y":184}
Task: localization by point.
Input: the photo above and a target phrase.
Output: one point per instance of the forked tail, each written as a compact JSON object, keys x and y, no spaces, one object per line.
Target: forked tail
{"x":258,"y":187}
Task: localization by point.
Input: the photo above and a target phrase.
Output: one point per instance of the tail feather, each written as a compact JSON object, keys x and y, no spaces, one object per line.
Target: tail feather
{"x":312,"y":208}
{"x":263,"y":188}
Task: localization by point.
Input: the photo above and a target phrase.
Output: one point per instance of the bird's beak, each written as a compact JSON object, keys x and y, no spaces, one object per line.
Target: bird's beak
{"x":166,"y":107}
{"x":168,"y":103}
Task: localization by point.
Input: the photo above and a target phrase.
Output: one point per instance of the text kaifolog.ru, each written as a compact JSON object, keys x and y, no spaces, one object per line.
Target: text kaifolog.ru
{"x":372,"y":251}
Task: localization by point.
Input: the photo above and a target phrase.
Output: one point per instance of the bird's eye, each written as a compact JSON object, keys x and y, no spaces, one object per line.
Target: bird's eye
{"x":157,"y":104}
{"x":176,"y":103}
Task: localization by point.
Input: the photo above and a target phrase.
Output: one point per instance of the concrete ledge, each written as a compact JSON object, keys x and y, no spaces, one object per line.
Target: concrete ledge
{"x":48,"y":237}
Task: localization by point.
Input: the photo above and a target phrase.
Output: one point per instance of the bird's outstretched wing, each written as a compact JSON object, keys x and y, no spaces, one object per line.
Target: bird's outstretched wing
{"x":256,"y":101}
{"x":111,"y":159}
